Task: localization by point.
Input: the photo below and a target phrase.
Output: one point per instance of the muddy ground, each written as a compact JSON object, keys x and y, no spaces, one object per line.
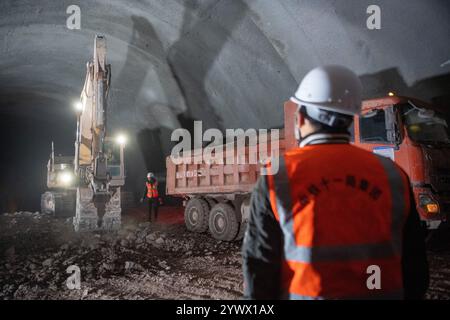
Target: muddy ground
{"x":142,"y":261}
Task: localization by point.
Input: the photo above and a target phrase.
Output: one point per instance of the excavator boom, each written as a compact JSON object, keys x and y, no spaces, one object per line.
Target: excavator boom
{"x":98,"y":192}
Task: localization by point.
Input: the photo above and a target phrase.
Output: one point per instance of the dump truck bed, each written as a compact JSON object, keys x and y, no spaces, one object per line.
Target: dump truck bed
{"x":233,"y":178}
{"x":215,"y":178}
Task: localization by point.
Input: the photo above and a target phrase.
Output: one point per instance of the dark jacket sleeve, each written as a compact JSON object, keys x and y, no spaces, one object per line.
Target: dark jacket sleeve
{"x":262,"y":248}
{"x":414,"y":257}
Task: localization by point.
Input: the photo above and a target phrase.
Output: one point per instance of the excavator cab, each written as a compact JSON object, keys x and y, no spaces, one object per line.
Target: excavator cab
{"x":114,"y":151}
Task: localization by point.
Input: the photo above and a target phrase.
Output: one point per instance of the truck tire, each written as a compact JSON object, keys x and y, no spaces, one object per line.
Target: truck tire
{"x":223,"y":224}
{"x":245,"y":217}
{"x":196,"y":215}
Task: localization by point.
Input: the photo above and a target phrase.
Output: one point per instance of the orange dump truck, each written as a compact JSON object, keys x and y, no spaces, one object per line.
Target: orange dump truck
{"x":410,"y":132}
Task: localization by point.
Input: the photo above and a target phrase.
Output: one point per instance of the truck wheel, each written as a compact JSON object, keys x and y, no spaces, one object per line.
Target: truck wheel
{"x":196,"y":215}
{"x":245,"y":217}
{"x":223,"y":223}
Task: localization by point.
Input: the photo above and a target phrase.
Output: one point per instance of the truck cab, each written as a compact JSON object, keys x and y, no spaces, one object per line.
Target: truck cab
{"x":414,"y":135}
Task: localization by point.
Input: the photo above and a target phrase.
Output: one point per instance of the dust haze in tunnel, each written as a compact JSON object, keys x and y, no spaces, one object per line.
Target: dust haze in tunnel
{"x":230,"y":64}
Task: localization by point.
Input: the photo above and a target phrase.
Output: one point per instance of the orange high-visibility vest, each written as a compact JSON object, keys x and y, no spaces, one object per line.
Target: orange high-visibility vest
{"x":341,"y":210}
{"x":152,"y":190}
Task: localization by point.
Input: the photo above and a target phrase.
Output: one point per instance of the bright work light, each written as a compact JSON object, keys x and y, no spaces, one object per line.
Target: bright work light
{"x":121,"y":139}
{"x":65,"y":178}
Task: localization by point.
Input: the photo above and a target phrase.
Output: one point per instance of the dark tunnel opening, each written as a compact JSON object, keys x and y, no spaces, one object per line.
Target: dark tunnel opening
{"x":26,"y":146}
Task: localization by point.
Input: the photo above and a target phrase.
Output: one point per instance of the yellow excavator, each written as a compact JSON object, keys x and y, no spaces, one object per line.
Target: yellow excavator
{"x":91,"y":184}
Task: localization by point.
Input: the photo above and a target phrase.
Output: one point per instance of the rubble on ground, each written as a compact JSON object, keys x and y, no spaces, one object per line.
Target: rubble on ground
{"x":141,"y":261}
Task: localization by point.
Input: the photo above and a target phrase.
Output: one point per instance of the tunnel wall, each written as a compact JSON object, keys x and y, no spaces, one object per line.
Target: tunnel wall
{"x":230,"y":64}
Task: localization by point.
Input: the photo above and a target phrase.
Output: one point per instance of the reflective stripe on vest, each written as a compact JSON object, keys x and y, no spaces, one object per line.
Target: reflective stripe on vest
{"x":316,"y":254}
{"x":152,"y":190}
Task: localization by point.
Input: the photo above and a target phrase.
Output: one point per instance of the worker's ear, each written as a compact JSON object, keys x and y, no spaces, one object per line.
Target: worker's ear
{"x":299,"y":119}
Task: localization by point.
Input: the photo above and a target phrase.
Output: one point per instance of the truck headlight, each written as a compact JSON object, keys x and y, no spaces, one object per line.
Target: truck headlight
{"x":65,"y":178}
{"x":428,"y":203}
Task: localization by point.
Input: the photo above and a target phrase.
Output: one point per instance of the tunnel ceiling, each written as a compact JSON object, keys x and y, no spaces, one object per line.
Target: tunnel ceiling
{"x":228,"y":63}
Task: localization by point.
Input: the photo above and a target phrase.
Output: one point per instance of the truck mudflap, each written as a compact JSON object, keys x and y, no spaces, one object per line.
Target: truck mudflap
{"x":244,"y":210}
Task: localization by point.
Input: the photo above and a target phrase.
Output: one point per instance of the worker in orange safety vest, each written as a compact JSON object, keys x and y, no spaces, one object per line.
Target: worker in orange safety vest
{"x":335,"y":221}
{"x":151,"y":194}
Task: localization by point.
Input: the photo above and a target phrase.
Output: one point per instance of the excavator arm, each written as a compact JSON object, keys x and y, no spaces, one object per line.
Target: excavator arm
{"x":96,"y":198}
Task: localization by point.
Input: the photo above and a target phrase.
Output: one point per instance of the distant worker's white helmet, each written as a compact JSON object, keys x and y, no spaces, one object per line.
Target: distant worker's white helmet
{"x":329,"y":88}
{"x":150,"y":175}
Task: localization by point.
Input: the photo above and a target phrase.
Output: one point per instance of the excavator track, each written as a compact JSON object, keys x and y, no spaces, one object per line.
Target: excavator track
{"x":59,"y":204}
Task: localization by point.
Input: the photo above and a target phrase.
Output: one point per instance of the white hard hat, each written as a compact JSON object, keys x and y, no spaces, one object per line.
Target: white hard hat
{"x":330,"y":88}
{"x":150,"y":175}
